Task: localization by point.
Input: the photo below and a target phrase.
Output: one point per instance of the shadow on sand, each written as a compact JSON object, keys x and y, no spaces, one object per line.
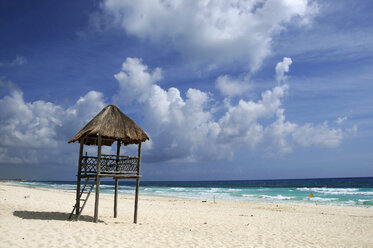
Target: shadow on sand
{"x":36,"y":215}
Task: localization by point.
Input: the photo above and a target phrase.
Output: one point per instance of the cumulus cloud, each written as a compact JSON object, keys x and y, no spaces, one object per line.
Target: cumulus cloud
{"x":186,"y":128}
{"x":212,"y":32}
{"x":27,"y":124}
{"x":33,"y":131}
{"x":282,"y":68}
{"x":232,"y":87}
{"x":319,"y":135}
{"x":279,"y":133}
{"x":182,"y":127}
{"x":285,"y":135}
{"x":240,"y":122}
{"x":340,"y":120}
{"x":135,"y":81}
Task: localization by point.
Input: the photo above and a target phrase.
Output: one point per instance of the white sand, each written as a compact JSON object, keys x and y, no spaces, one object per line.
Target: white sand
{"x":37,"y":217}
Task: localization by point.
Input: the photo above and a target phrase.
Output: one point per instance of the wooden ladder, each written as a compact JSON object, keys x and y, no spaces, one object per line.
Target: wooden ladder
{"x":84,"y":192}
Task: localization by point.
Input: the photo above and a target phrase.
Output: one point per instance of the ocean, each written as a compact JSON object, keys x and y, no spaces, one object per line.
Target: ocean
{"x":325,"y":191}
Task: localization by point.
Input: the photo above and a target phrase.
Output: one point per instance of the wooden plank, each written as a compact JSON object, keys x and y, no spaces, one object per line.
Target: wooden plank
{"x":89,"y":176}
{"x":125,"y":177}
{"x":137,"y":184}
{"x":116,"y":198}
{"x":95,"y":218}
{"x":116,"y":181}
{"x":119,"y":176}
{"x":118,"y":172}
{"x":79,"y":178}
{"x":86,"y":199}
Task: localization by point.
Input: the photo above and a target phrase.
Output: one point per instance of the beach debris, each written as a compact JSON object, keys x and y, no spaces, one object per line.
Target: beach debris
{"x":204,"y":201}
{"x":205,"y":223}
{"x":252,"y":215}
{"x":26,"y":196}
{"x":310,"y":195}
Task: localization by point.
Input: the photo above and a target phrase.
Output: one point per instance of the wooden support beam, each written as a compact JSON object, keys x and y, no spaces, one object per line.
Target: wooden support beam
{"x":114,"y":176}
{"x":116,"y":181}
{"x":95,"y":218}
{"x":116,"y":198}
{"x":124,"y":177}
{"x":79,"y":178}
{"x":137,"y":183}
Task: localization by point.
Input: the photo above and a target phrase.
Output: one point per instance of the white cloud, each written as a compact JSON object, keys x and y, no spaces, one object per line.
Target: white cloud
{"x":232,"y":87}
{"x":34,"y":131}
{"x":180,"y":127}
{"x":279,"y":132}
{"x":75,"y":117}
{"x":187,"y":129}
{"x":19,"y":60}
{"x":352,"y":130}
{"x":212,"y":32}
{"x":176,"y":126}
{"x":281,"y":68}
{"x":340,"y":120}
{"x":240,"y":122}
{"x":135,"y":81}
{"x":319,"y":135}
{"x":27,"y":124}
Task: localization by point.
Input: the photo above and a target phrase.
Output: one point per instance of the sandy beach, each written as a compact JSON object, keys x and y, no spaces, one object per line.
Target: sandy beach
{"x":37,"y":217}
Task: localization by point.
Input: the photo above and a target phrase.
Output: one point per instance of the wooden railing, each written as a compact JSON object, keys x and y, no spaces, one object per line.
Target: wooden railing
{"x":110,"y":164}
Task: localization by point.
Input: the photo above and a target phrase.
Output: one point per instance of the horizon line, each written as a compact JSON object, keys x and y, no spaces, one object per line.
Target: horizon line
{"x":223,"y":180}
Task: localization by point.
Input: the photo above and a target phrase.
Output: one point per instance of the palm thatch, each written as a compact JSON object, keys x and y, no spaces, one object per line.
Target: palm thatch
{"x":112,"y":125}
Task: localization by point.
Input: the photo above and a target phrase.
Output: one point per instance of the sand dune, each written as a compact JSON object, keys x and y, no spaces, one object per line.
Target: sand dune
{"x":37,"y":217}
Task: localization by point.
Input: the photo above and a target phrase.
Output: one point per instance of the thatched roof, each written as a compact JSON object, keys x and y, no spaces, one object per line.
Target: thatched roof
{"x":113,"y":125}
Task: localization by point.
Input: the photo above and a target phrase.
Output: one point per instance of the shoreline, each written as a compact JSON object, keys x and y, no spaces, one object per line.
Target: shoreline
{"x":205,"y":200}
{"x":288,"y":202}
{"x":175,"y":222}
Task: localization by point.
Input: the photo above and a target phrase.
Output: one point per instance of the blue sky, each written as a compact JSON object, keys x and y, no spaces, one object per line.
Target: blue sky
{"x":225,"y":89}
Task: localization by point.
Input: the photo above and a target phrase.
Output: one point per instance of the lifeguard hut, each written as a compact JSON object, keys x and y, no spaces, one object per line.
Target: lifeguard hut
{"x":107,"y":127}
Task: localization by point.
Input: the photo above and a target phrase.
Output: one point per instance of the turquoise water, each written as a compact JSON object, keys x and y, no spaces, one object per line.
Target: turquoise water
{"x":346,"y":192}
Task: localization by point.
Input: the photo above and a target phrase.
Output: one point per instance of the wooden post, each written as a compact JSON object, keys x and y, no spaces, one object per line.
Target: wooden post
{"x":116,"y":181}
{"x":95,"y":218}
{"x":78,"y":182}
{"x":137,"y":183}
